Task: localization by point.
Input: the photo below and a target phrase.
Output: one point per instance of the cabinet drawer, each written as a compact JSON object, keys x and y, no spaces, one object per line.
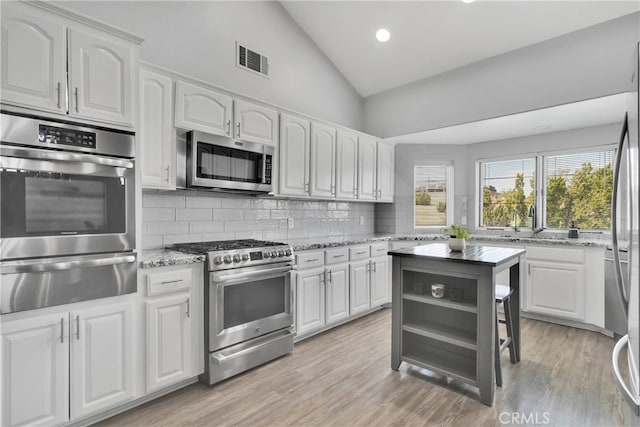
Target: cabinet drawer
{"x":310,"y":259}
{"x":168,"y":282}
{"x":335,"y":256}
{"x":359,"y":252}
{"x":379,"y":249}
{"x":555,"y":254}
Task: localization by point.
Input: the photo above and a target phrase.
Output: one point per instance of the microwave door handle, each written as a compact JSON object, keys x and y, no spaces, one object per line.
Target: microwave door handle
{"x":53,"y":264}
{"x":39,"y":154}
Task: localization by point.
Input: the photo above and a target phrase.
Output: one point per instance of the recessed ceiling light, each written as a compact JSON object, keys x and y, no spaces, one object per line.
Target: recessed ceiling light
{"x":383,"y":35}
{"x":468,"y":1}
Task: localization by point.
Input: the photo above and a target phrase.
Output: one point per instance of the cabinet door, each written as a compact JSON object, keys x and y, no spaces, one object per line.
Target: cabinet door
{"x":380,"y":281}
{"x":310,"y":300}
{"x":385,"y":172}
{"x":323,"y":161}
{"x":367,"y":168}
{"x":100,"y":78}
{"x":102,"y":358}
{"x":347,"y":165}
{"x":294,"y":156}
{"x":555,"y":289}
{"x":157,"y":141}
{"x":35,"y":370}
{"x":255,"y":123}
{"x":203,"y":109}
{"x":359,"y":286}
{"x":337,"y":293}
{"x":168,"y":341}
{"x":34,"y":59}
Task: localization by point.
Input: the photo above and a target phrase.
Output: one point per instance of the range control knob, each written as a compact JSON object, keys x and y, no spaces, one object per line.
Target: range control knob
{"x":280,"y":253}
{"x":217,"y":260}
{"x":266,"y":254}
{"x":227,"y":259}
{"x":236,"y":258}
{"x":274,"y":254}
{"x":287,"y":252}
{"x":245,"y":257}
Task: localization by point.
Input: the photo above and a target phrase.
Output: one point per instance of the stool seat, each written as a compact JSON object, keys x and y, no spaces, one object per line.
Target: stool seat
{"x":503,"y":296}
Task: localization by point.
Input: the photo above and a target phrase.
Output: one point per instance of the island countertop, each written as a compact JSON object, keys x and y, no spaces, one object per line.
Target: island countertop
{"x":473,"y":254}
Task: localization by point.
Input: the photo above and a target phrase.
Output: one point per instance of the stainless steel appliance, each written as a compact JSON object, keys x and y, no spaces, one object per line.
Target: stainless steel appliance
{"x":248,"y":304}
{"x":614,"y":319}
{"x":67,"y":218}
{"x":229,"y":165}
{"x":625,"y":231}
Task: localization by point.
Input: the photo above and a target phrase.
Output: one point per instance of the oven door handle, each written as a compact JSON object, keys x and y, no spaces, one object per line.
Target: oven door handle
{"x":234,"y":278}
{"x":58,"y":264}
{"x":39,"y":154}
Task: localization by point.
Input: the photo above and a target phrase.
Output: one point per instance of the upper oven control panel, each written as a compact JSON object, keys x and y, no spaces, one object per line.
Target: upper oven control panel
{"x":72,"y":137}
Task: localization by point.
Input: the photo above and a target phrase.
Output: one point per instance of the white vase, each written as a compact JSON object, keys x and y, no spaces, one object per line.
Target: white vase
{"x":457,"y":245}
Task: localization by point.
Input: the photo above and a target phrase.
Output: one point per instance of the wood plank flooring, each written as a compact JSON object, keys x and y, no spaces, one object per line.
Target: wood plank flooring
{"x":343,"y":378}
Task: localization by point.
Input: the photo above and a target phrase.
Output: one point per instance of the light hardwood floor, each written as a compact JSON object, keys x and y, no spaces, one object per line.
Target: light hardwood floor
{"x":343,"y":378}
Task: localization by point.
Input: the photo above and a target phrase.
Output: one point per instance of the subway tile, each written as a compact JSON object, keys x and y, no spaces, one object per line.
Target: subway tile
{"x":281,"y":214}
{"x":191,"y":214}
{"x":256,"y":214}
{"x":206,"y":226}
{"x":203,"y":202}
{"x":265,"y":204}
{"x":211,"y":237}
{"x":255,"y":234}
{"x":151,"y":242}
{"x":162,"y":228}
{"x":158,"y":214}
{"x":183,"y":238}
{"x":236,"y":203}
{"x":275,"y":235}
{"x":228,"y":214}
{"x":163,"y":200}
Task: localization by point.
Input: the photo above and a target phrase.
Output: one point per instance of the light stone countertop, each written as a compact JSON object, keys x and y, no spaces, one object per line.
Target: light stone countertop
{"x":165,"y":257}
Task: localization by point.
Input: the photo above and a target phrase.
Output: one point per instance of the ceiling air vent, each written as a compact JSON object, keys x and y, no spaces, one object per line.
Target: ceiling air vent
{"x":252,"y":60}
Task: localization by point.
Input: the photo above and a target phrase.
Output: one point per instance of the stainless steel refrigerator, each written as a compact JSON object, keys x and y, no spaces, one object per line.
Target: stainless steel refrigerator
{"x":626,"y":235}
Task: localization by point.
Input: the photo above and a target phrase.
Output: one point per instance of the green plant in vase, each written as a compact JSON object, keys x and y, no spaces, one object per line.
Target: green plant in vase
{"x":457,"y":237}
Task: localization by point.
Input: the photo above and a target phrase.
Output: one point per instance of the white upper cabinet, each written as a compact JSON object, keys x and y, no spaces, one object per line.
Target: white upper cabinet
{"x":294,"y":156}
{"x":203,"y":109}
{"x":323,"y":161}
{"x":155,"y":131}
{"x":347,"y":165}
{"x":100,"y":78}
{"x":33,"y":58}
{"x":39,"y":47}
{"x":254,"y":123}
{"x":367,"y":149}
{"x":385,"y":172}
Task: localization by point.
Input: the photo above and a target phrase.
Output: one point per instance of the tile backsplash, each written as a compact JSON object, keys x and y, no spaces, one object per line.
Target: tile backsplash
{"x":192,"y":216}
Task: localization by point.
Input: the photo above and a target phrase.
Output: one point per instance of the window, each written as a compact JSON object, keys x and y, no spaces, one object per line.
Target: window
{"x":433,"y":195}
{"x":507,"y":192}
{"x":578,"y":190}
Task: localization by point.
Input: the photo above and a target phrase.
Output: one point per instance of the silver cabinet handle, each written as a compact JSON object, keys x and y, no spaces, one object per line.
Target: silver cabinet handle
{"x":168,"y":172}
{"x":188,"y":307}
{"x":369,"y":267}
{"x":75,"y":92}
{"x":312,"y":260}
{"x":529,"y":268}
{"x":338,"y":256}
{"x":77,"y":327}
{"x":59,"y":94}
{"x":238,"y":129}
{"x":62,"y":330}
{"x":57,"y":264}
{"x":322,"y":278}
{"x":374,"y":266}
{"x":166,"y":282}
{"x":330,"y":277}
{"x":229,"y":127}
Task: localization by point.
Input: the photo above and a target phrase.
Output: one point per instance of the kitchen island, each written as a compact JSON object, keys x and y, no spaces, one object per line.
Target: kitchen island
{"x":452,"y":334}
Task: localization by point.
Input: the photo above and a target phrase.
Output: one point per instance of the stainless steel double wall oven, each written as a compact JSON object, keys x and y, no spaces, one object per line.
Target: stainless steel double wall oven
{"x":67,"y":220}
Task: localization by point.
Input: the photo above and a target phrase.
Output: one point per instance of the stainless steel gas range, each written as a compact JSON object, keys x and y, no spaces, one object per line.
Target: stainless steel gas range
{"x":248,"y":304}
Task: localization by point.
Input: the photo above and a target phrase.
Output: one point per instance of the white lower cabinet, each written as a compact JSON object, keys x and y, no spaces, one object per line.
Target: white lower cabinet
{"x":173,"y":324}
{"x":337,"y":293}
{"x":555,"y":288}
{"x":380,"y":281}
{"x":66,"y":365}
{"x":310,"y":300}
{"x":359,"y":282}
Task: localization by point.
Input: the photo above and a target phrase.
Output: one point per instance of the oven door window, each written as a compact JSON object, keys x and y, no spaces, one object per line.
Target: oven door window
{"x":228,"y":164}
{"x":36,"y":203}
{"x":251,"y":301}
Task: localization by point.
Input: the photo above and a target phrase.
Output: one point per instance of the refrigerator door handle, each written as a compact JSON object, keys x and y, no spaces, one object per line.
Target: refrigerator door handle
{"x":632,"y":401}
{"x":614,"y":223}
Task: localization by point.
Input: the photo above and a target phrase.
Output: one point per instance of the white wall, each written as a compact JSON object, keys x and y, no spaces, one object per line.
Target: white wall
{"x":589,"y":63}
{"x":197,"y":38}
{"x":398,"y":218}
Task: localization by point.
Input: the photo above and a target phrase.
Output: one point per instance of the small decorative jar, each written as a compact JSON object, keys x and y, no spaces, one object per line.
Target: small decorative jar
{"x":457,"y":245}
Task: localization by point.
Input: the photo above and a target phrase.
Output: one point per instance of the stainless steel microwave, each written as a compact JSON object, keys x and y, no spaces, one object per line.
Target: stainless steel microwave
{"x":226,"y":164}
